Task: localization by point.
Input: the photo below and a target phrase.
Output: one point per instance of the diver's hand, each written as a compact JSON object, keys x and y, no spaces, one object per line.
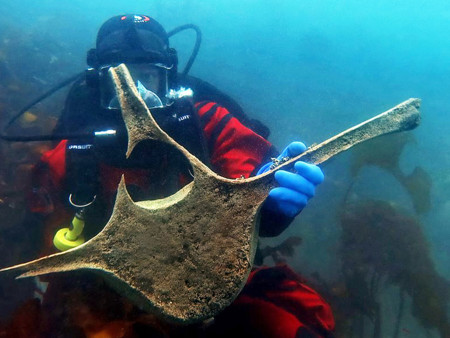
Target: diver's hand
{"x":295,"y":189}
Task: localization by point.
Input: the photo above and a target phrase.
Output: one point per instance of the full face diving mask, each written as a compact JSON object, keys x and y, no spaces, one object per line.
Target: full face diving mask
{"x":151,"y":81}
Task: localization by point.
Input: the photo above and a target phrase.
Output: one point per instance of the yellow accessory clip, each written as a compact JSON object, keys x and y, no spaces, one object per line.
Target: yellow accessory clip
{"x":66,"y":238}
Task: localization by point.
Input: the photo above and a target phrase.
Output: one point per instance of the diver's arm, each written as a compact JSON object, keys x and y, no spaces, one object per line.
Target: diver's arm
{"x":235,"y":150}
{"x":273,"y":224}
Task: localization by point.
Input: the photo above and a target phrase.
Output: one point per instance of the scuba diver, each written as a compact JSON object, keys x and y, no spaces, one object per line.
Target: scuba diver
{"x":77,"y":181}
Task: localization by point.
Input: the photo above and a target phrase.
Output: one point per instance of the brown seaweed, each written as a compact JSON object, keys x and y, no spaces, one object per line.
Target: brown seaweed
{"x":385,"y":153}
{"x":279,"y":252}
{"x":380,"y":243}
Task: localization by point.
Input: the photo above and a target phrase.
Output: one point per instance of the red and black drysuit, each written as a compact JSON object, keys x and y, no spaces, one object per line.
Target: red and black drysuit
{"x":274,"y":303}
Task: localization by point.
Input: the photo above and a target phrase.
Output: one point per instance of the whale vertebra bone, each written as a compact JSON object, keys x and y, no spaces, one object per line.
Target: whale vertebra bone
{"x":186,"y":257}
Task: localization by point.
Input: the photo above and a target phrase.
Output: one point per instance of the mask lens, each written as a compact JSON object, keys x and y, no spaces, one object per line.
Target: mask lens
{"x":150,"y":98}
{"x":108,"y":94}
{"x":150,"y":80}
{"x":151,"y":76}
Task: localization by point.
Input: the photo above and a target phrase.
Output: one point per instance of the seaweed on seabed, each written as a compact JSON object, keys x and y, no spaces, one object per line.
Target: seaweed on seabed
{"x":278,"y":253}
{"x":384,"y":152}
{"x":381,"y":243}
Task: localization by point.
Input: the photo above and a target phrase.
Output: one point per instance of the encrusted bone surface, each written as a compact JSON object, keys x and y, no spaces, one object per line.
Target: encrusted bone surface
{"x":186,"y":257}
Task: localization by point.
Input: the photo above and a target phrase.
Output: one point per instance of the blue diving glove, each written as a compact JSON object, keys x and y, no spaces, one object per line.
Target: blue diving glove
{"x":295,"y":188}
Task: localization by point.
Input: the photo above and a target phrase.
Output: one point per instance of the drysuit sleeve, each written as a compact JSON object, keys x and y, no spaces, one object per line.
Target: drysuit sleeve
{"x":237,"y":151}
{"x":47,"y":180}
{"x":234,"y":149}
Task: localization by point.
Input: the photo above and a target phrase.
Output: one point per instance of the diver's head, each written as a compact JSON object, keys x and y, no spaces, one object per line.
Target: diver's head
{"x":133,"y":38}
{"x":143,"y":45}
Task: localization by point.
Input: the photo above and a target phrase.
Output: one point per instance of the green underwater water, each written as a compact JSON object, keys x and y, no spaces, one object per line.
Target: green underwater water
{"x":308,"y":70}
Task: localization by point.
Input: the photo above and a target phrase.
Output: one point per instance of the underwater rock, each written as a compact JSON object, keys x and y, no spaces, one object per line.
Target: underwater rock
{"x":186,"y":257}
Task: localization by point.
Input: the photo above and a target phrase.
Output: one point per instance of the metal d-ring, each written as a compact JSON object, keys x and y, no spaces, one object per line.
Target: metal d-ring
{"x":81,"y":205}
